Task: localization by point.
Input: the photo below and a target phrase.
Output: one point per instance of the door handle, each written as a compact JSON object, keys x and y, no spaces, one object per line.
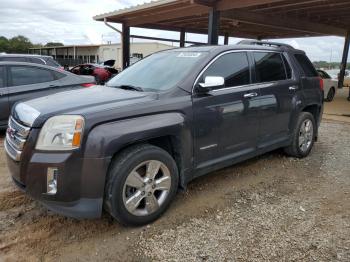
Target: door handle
{"x":292,"y":88}
{"x":250,"y":95}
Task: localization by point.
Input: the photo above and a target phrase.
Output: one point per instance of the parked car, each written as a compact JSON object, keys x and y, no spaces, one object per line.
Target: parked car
{"x":330,"y":85}
{"x":174,"y":116}
{"x":36,"y":59}
{"x":20,"y":81}
{"x":101,"y":73}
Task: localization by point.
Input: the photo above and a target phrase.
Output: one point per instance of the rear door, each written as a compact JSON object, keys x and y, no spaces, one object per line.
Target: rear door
{"x":26,"y":82}
{"x":278,"y":88}
{"x":4,"y":103}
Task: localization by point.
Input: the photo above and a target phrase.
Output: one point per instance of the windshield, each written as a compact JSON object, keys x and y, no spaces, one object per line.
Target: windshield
{"x":158,"y":72}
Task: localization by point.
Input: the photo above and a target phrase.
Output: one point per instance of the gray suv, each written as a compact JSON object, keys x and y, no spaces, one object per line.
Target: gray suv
{"x":21,"y":81}
{"x":176,"y":115}
{"x":27,"y":58}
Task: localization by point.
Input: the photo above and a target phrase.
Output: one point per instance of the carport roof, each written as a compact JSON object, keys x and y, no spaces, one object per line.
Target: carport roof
{"x":241,"y":18}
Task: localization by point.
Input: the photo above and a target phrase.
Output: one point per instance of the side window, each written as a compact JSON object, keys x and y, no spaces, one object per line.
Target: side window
{"x":269,"y":67}
{"x":234,"y":67}
{"x":26,"y":75}
{"x":15,"y":59}
{"x":306,"y":65}
{"x":2,"y":76}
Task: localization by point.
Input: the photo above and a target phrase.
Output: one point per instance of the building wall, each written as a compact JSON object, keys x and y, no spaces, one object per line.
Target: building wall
{"x":95,"y":54}
{"x":107,"y":52}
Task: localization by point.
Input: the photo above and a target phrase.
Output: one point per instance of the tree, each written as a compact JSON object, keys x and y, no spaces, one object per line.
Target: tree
{"x":4,"y":44}
{"x":19,"y":44}
{"x":54,"y":44}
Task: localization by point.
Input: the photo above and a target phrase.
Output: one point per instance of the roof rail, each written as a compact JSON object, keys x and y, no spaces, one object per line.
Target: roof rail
{"x":264,"y":43}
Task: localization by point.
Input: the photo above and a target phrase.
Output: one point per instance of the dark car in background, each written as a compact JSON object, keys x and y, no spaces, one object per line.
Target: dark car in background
{"x":36,"y":59}
{"x":20,"y":81}
{"x":101,"y":73}
{"x":162,"y":122}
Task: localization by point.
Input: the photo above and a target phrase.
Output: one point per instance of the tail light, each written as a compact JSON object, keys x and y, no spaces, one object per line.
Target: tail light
{"x":88,"y":84}
{"x":321,"y":84}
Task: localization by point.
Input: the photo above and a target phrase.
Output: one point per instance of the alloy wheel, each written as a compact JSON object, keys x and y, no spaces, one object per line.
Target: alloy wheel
{"x":306,"y":135}
{"x":146,"y":188}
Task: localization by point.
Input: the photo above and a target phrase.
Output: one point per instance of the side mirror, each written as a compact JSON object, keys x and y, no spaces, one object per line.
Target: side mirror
{"x":211,"y":82}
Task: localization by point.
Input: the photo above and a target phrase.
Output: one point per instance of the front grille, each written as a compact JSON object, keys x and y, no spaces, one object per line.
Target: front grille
{"x":16,"y":137}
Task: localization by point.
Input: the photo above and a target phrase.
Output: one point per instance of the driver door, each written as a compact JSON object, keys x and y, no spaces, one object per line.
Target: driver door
{"x":226,"y":117}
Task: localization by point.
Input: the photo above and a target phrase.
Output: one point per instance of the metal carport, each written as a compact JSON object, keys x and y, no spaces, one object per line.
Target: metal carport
{"x":257,"y":19}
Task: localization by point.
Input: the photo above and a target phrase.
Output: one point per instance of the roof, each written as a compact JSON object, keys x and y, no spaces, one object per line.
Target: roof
{"x":238,"y":18}
{"x":22,"y":55}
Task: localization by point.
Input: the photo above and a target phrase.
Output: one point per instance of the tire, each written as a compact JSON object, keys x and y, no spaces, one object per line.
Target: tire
{"x":131,"y":197}
{"x":330,"y":95}
{"x":98,"y":80}
{"x":295,"y":149}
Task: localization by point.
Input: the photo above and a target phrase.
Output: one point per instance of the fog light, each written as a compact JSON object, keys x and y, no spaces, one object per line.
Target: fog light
{"x":51,"y":181}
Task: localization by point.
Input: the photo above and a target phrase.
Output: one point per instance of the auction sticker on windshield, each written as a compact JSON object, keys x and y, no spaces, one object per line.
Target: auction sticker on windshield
{"x":189,"y":54}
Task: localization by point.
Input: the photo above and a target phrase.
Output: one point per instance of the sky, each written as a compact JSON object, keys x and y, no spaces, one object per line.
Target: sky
{"x":70,"y":22}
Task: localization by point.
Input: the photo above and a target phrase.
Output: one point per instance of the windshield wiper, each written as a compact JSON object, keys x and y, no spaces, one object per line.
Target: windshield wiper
{"x":129,"y":87}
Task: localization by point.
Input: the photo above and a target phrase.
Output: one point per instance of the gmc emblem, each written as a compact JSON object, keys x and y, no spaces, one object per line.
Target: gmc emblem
{"x":11,"y":132}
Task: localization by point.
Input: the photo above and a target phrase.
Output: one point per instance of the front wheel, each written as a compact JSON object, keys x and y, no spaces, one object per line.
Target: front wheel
{"x":303,"y":137}
{"x":142,"y":182}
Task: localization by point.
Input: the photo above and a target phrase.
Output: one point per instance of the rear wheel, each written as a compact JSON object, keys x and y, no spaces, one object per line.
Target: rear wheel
{"x":330,"y":95}
{"x":303,"y":136}
{"x":142,"y":182}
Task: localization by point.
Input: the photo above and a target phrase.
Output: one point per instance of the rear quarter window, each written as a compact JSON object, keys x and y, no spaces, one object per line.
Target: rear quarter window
{"x":306,"y":65}
{"x":36,"y":61}
{"x":269,"y":67}
{"x":51,"y":62}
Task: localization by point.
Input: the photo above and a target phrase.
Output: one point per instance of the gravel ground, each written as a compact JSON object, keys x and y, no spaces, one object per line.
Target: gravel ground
{"x":269,"y":208}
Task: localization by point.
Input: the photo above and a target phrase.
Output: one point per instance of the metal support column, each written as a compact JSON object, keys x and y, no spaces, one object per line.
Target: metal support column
{"x":226,"y":39}
{"x":344,"y":62}
{"x":182,"y":37}
{"x":213,"y":26}
{"x":126,"y":45}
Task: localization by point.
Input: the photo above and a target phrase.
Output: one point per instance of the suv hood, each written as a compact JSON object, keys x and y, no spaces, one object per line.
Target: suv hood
{"x":80,"y":101}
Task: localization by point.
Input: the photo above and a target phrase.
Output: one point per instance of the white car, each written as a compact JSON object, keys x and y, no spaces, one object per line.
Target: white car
{"x":330,"y":85}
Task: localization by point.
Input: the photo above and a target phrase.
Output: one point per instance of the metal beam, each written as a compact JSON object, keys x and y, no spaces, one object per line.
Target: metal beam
{"x":344,"y":61}
{"x":126,"y":45}
{"x":164,"y":39}
{"x":283,"y":23}
{"x":213,"y":26}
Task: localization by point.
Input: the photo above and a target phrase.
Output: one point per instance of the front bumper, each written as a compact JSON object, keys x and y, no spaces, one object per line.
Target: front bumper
{"x":80,"y":182}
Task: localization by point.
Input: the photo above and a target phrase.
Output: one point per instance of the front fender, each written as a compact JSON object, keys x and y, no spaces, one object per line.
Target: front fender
{"x":105,"y":140}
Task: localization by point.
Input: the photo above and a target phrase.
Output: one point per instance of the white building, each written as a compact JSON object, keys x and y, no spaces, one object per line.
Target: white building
{"x":77,"y":54}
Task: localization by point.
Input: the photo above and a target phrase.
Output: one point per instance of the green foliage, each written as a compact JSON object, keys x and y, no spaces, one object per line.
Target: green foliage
{"x":4,"y":44}
{"x":18,"y":44}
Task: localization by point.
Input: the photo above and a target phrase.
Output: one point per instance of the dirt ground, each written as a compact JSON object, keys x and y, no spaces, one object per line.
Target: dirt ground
{"x":269,"y":208}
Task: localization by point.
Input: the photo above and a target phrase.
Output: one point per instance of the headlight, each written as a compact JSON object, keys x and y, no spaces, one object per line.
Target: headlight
{"x":61,"y":133}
